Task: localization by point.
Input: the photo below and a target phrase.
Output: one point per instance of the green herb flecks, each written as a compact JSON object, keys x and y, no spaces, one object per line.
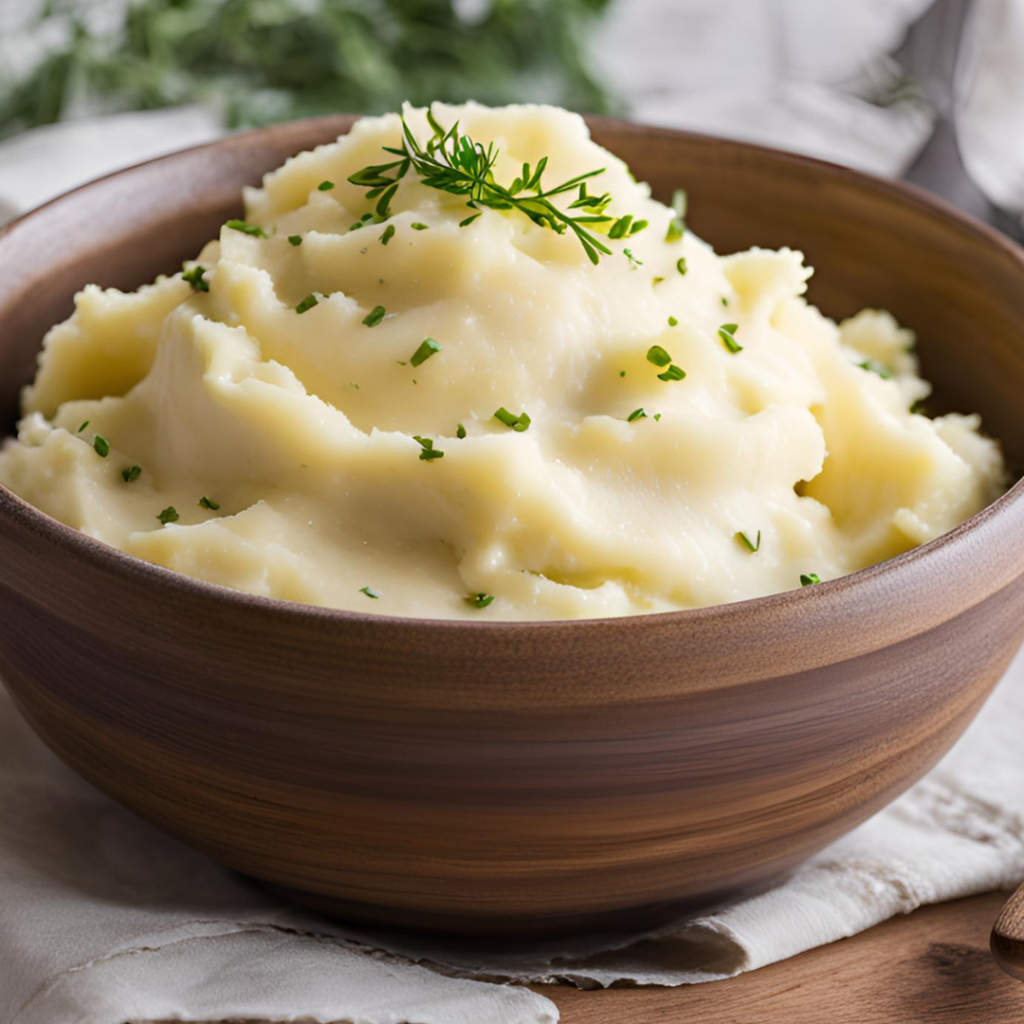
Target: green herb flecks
{"x":83,"y":426}
{"x":673,"y":322}
{"x":460,"y":431}
{"x":808,"y":579}
{"x":205,"y":502}
{"x":746,"y":542}
{"x":633,"y":261}
{"x":295,"y":239}
{"x":681,"y":265}
{"x":517,"y":423}
{"x":456,"y":164}
{"x":131,"y":473}
{"x":873,"y":366}
{"x":427,"y":348}
{"x":673,"y":373}
{"x":370,"y":593}
{"x":417,"y":226}
{"x":727,"y":332}
{"x":657,"y":355}
{"x":196,"y":279}
{"x":325,"y":186}
{"x":101,"y":446}
{"x":677,"y":225}
{"x":387,"y":234}
{"x":480,"y":600}
{"x":375,"y":316}
{"x":427,"y":450}
{"x":169,"y":515}
{"x":636,"y":414}
{"x":307,"y":304}
{"x":246,"y":228}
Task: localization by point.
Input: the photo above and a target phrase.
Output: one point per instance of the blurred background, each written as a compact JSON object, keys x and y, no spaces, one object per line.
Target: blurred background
{"x":930,"y":90}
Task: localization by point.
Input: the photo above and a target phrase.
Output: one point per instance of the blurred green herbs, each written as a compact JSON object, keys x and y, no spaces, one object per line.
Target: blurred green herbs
{"x":261,"y":61}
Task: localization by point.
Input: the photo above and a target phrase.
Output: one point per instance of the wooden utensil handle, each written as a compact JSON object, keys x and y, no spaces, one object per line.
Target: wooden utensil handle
{"x":1008,"y":936}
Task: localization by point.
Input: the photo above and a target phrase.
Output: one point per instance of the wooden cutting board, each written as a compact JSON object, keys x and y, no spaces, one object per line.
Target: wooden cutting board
{"x":931,"y":967}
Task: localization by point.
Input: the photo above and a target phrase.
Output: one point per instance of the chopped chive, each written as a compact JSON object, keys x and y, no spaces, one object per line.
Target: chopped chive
{"x":725,"y":302}
{"x":622,"y":373}
{"x":621,"y":227}
{"x":246,"y":228}
{"x":808,"y":579}
{"x":195,"y":278}
{"x":672,"y":373}
{"x":428,"y":451}
{"x":636,"y":414}
{"x":307,"y":303}
{"x":370,"y":592}
{"x":460,"y":431}
{"x":657,"y":355}
{"x":469,"y":220}
{"x":295,"y":239}
{"x":673,"y":322}
{"x":745,"y":541}
{"x":366,"y":217}
{"x":480,"y":600}
{"x":388,"y":234}
{"x":517,"y":423}
{"x":355,"y":227}
{"x":375,"y":316}
{"x":427,"y":348}
{"x":169,"y":515}
{"x":417,"y":226}
{"x":873,"y":366}
{"x":677,"y":225}
{"x":681,"y":265}
{"x":325,"y":186}
{"x":101,"y":446}
{"x":657,"y":416}
{"x":726,"y":332}
{"x":633,"y":261}
{"x":657,"y":280}
{"x":204,"y":502}
{"x":83,"y":426}
{"x":131,"y":473}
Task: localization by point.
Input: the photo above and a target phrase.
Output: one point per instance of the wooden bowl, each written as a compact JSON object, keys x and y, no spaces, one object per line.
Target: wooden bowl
{"x":498,"y":777}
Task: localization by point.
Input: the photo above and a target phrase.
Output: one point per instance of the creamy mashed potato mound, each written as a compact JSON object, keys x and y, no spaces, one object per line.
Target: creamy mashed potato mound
{"x":294,"y":454}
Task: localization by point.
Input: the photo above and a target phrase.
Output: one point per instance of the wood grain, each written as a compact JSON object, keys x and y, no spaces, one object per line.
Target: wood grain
{"x":521,"y":777}
{"x":1008,"y":936}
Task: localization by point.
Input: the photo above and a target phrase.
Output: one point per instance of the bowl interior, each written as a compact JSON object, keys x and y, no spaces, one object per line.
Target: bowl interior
{"x":872,"y":243}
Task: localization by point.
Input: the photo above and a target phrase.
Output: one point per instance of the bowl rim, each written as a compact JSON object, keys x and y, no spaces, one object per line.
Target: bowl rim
{"x":104,"y":556}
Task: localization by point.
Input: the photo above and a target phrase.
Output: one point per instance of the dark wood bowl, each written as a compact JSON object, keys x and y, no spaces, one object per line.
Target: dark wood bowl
{"x":492,"y":777}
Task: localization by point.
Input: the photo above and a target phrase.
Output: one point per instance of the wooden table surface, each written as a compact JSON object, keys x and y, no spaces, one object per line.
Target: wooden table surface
{"x":931,"y":967}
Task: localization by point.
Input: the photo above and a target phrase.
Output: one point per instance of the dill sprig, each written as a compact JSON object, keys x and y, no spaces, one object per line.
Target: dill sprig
{"x":452,"y":162}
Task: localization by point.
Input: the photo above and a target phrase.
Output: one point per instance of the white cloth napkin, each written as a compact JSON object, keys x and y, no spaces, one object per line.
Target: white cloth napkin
{"x":103,"y":919}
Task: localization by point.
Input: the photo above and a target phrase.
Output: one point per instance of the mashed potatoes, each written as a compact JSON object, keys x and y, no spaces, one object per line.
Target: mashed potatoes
{"x":416,"y":411}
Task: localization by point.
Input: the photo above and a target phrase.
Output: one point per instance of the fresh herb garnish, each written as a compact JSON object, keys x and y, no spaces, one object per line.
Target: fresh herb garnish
{"x":677,"y":225}
{"x":657,"y":417}
{"x":458,"y":165}
{"x":417,"y":226}
{"x":808,"y":579}
{"x":873,"y":366}
{"x":427,"y":348}
{"x":460,"y":431}
{"x":673,"y":322}
{"x":295,"y":239}
{"x":131,"y":473}
{"x":246,"y":228}
{"x":657,"y":355}
{"x":325,"y":186}
{"x":636,"y":414}
{"x":518,"y":423}
{"x":480,"y":600}
{"x":375,"y":316}
{"x":681,"y":265}
{"x":428,"y":451}
{"x":169,"y":515}
{"x":101,"y":446}
{"x":726,"y":332}
{"x":622,"y":373}
{"x":196,"y":279}
{"x":633,"y":261}
{"x":387,"y":234}
{"x":621,"y":227}
{"x":307,"y":304}
{"x":468,"y":220}
{"x":370,"y":592}
{"x":657,"y":280}
{"x":204,"y":502}
{"x":672,"y":373}
{"x":725,"y":302}
{"x":83,"y":426}
{"x":745,"y":541}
